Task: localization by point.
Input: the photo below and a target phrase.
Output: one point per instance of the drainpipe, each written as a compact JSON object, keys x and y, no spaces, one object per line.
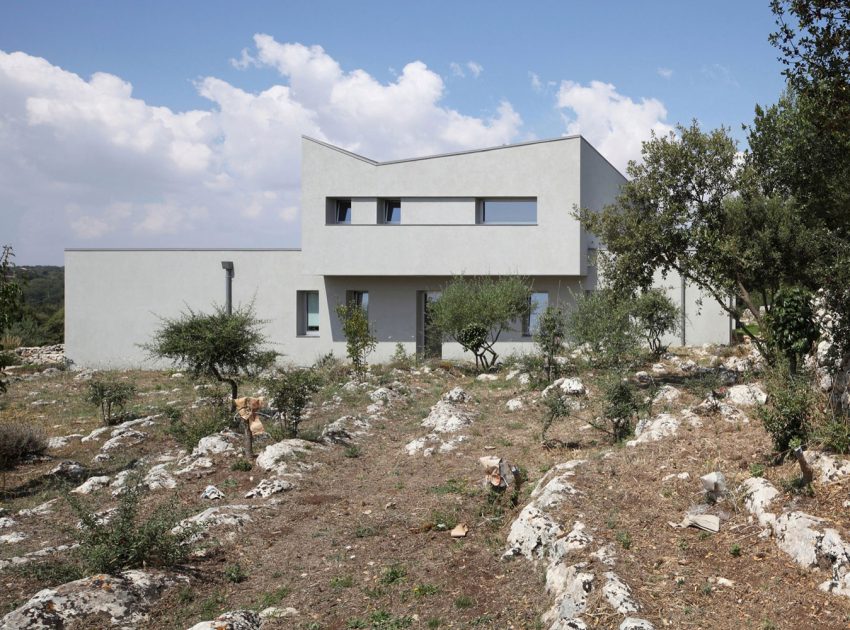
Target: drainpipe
{"x":684,"y":314}
{"x":227,"y":265}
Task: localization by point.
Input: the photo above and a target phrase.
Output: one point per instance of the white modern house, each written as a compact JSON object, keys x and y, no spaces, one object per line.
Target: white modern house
{"x":386,"y":234}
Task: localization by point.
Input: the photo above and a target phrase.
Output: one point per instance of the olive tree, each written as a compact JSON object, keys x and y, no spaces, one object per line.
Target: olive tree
{"x":601,"y":321}
{"x":655,"y":316}
{"x":11,"y":293}
{"x":218,"y":345}
{"x":474,"y":311}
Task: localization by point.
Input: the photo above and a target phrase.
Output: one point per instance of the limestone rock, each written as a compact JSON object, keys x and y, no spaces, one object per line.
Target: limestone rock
{"x":345,"y":429}
{"x":212,"y":493}
{"x":123,"y":599}
{"x":92,"y":484}
{"x":158,"y":478}
{"x":68,"y":469}
{"x":274,"y":455}
{"x":666,"y":394}
{"x":633,"y":623}
{"x":445,"y":417}
{"x":618,"y":594}
{"x":6,"y":522}
{"x":654,"y":429}
{"x":215,"y":444}
{"x":268,"y":487}
{"x":233,"y":620}
{"x":219,"y":516}
{"x":486,"y":377}
{"x":12,"y":538}
{"x":514,"y":404}
{"x":532,"y":534}
{"x":63,"y":440}
{"x":746,"y":395}
{"x":457,"y":395}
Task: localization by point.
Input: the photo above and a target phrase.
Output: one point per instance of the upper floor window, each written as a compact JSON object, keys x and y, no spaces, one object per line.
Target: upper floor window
{"x":343,"y":211}
{"x":538,"y":303}
{"x":391,"y":211}
{"x":507,"y":211}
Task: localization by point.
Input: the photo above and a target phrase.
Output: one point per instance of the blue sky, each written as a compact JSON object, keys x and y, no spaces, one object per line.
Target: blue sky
{"x":200,"y":137}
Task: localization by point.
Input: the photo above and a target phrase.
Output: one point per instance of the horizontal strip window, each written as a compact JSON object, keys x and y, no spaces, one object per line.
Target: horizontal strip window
{"x":506,"y":211}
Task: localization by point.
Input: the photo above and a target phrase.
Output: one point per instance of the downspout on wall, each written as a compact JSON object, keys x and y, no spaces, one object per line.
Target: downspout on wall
{"x":227,"y":265}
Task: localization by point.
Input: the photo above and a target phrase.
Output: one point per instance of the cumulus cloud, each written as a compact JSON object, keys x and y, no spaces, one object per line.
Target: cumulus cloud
{"x":613,"y":123}
{"x":85,"y":163}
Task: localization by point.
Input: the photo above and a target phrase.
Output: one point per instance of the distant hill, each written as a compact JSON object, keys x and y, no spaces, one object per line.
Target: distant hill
{"x":43,"y":319}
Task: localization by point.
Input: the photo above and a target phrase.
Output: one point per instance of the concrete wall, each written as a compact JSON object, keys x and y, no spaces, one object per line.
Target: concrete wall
{"x":115,"y":299}
{"x":438,"y":235}
{"x":705,"y":320}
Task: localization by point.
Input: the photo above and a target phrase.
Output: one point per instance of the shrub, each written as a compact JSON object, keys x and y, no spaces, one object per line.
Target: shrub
{"x":620,"y":405}
{"x":401,"y":358}
{"x":655,"y":316}
{"x":791,"y":326}
{"x":235,"y":573}
{"x":787,"y":416}
{"x":111,"y":396}
{"x":190,"y":427}
{"x":126,"y":540}
{"x":550,"y":337}
{"x":359,"y":338}
{"x":241,"y":465}
{"x":557,"y":406}
{"x":19,"y":441}
{"x":602,"y":321}
{"x":289,"y":393}
{"x":834,"y":433}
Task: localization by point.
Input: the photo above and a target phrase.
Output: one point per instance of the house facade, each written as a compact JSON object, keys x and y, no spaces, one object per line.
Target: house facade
{"x":388,"y":235}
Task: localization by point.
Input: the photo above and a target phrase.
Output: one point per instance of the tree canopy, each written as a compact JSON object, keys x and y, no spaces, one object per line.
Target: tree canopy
{"x":474,"y":311}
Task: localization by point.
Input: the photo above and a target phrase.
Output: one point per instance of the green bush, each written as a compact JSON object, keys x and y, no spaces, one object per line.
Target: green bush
{"x":111,"y":396}
{"x":602,"y":321}
{"x":198,"y":423}
{"x":556,"y":407}
{"x":550,"y":337}
{"x":620,"y":405}
{"x":128,"y":540}
{"x":655,"y":316}
{"x":359,"y":338}
{"x":791,"y":326}
{"x":834,"y":434}
{"x":289,"y":392}
{"x":790,"y":408}
{"x":19,"y":441}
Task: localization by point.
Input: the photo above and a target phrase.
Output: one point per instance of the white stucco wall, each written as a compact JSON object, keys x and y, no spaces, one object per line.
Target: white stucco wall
{"x":442,"y":237}
{"x":114,"y":301}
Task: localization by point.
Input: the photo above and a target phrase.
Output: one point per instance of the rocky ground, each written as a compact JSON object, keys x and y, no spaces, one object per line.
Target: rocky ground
{"x":384,"y":518}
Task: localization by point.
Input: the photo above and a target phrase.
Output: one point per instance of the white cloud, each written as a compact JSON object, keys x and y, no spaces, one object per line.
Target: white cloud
{"x":475,"y":68}
{"x":615,"y":124}
{"x":84,"y":162}
{"x":459,"y":70}
{"x":719,"y":73}
{"x":665,"y":73}
{"x":536,"y":84}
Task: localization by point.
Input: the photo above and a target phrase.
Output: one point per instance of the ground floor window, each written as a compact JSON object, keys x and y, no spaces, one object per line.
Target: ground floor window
{"x":538,"y":302}
{"x":308,"y":313}
{"x":360,"y":298}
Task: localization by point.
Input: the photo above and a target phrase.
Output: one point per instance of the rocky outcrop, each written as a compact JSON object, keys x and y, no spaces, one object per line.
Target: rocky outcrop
{"x":445,"y":418}
{"x":119,"y":600}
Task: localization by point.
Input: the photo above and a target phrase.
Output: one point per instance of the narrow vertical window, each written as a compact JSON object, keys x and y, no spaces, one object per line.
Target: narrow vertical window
{"x":537,"y":302}
{"x":308,"y":313}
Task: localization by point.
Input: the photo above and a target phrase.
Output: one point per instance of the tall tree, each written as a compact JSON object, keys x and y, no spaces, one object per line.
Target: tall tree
{"x":691,"y":207}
